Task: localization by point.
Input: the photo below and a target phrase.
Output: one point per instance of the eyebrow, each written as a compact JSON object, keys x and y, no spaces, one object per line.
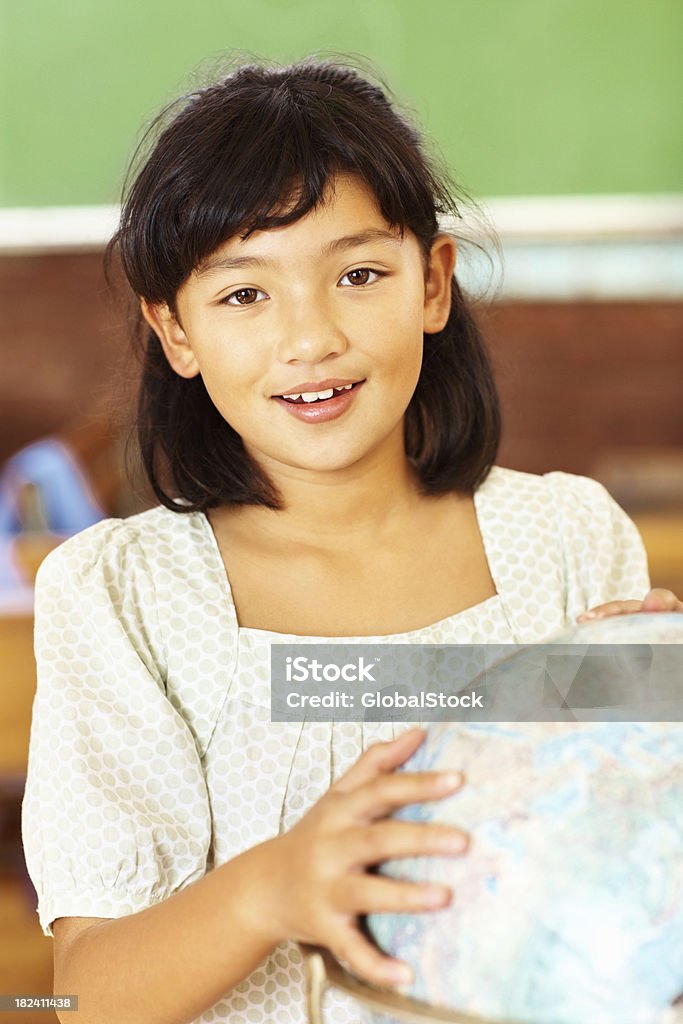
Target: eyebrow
{"x":217,"y":263}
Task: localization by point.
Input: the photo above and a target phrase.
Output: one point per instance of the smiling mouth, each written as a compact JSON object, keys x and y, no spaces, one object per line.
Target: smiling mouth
{"x":316,"y":397}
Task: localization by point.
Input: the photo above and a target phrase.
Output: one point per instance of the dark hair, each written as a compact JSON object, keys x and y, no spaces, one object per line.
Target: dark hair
{"x":225,"y":164}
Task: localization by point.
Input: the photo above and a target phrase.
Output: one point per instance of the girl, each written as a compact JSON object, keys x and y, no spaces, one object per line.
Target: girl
{"x":318,"y":419}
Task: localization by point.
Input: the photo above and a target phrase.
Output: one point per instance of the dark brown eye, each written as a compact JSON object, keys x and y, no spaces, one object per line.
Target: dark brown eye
{"x":362,"y":275}
{"x":245,"y":296}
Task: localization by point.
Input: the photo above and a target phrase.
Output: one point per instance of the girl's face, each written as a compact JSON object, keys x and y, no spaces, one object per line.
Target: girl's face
{"x":331,"y":308}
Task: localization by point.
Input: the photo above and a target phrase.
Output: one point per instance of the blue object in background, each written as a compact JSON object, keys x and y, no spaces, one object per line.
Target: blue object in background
{"x":61,"y":500}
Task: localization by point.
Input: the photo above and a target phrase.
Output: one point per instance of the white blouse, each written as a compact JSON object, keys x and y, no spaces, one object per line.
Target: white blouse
{"x":152,"y":754}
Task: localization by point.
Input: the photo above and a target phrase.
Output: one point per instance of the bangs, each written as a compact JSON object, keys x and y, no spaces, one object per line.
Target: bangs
{"x":263,"y":161}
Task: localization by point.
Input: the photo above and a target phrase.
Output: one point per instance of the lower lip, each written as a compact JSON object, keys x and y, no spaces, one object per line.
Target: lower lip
{"x":322,"y":412}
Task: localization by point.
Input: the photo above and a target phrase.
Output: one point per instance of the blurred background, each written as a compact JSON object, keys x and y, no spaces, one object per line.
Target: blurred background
{"x":562,"y":118}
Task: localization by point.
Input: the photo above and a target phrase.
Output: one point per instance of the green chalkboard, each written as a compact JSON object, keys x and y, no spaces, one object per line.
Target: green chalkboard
{"x":523,"y":96}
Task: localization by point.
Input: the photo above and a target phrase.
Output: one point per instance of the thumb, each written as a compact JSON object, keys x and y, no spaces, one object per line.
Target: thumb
{"x":658,"y":600}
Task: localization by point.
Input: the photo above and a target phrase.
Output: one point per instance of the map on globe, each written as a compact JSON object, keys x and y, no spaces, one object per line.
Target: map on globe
{"x":568,"y":905}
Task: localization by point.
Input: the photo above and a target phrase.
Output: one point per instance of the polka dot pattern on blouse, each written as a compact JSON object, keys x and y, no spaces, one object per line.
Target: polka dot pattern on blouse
{"x":152,"y":755}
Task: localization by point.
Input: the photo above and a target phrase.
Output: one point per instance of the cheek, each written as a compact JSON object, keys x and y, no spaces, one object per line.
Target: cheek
{"x":228,"y":379}
{"x":412,"y":367}
{"x":226,"y":362}
{"x":404,"y":341}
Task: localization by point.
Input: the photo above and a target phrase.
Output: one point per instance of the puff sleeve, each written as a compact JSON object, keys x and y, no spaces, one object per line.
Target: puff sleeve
{"x":116,"y":813}
{"x":603,"y":554}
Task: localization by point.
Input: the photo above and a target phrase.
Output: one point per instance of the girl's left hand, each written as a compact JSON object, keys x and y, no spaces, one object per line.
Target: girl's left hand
{"x":654,"y":601}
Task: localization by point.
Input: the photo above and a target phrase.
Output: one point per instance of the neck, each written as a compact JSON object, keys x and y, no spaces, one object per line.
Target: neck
{"x":350,"y":506}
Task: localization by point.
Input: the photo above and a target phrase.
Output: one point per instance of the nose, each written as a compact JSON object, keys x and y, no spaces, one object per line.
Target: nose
{"x":310,"y":334}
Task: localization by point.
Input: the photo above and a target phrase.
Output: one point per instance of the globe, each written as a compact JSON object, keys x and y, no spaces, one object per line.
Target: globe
{"x":568,"y":905}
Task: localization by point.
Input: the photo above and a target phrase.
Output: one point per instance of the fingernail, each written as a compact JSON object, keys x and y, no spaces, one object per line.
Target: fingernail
{"x":587,"y":615}
{"x":401,"y":974}
{"x":455,"y":844}
{"x":449,"y":780}
{"x":436,"y":897}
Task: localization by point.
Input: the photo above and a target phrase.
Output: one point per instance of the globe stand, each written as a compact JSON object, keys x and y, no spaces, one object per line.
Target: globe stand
{"x":322,"y":971}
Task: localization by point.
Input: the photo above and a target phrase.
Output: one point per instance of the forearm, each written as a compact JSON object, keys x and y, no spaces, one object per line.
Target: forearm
{"x":168,"y":963}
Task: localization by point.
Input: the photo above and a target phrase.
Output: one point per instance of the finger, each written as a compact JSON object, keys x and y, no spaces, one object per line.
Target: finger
{"x":379,"y":759}
{"x":388,"y":840}
{"x":357,"y":954}
{"x":373,"y":894}
{"x":658,"y":599}
{"x":380,"y":797}
{"x":603,"y":611}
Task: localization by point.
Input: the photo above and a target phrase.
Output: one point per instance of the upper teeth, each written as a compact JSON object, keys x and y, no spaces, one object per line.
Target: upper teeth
{"x":313,"y":396}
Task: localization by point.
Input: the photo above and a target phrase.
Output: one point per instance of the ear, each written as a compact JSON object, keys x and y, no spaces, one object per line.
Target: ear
{"x":172,"y":337}
{"x":438,"y":285}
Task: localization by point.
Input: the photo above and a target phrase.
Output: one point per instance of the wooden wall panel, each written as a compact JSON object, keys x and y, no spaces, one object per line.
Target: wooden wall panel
{"x":580,"y":380}
{"x":62,"y":341}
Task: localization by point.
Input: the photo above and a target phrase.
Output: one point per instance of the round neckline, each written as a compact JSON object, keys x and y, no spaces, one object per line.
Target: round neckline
{"x":372,"y":638}
{"x":479,"y":499}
